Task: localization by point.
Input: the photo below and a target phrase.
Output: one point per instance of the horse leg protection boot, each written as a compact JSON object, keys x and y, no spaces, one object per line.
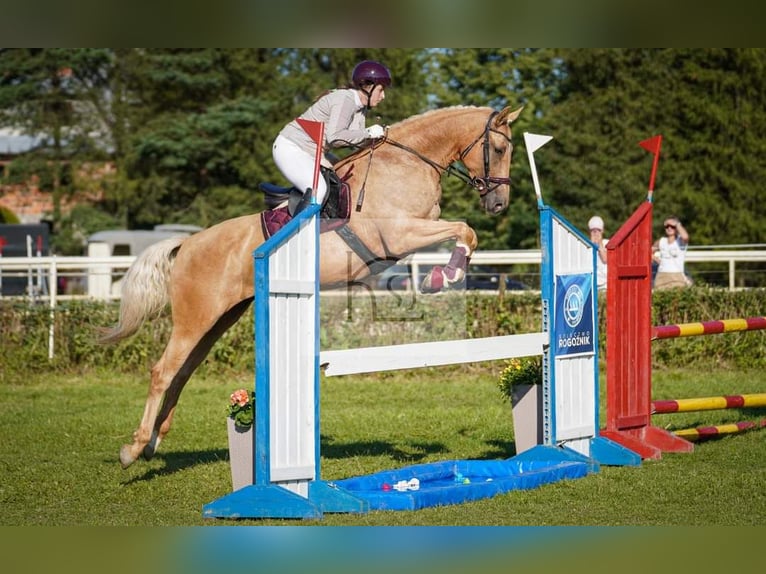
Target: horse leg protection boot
{"x":441,"y":277}
{"x":458,"y":263}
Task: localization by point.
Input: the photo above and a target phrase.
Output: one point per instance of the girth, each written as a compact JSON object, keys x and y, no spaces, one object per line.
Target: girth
{"x":374,"y":263}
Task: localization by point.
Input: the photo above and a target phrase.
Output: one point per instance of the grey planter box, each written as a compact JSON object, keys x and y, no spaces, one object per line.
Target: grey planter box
{"x":527,"y":406}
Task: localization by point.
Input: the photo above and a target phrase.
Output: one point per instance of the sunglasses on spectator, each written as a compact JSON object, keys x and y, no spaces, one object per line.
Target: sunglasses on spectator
{"x":669,"y":226}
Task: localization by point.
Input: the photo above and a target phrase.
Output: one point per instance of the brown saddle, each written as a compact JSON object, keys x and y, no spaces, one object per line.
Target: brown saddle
{"x":336,"y":208}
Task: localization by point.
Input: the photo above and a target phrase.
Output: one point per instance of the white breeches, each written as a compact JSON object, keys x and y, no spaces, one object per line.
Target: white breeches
{"x":297,"y":166}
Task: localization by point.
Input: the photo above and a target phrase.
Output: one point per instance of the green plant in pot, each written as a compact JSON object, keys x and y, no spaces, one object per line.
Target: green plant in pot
{"x":520,"y":383}
{"x":520,"y":371}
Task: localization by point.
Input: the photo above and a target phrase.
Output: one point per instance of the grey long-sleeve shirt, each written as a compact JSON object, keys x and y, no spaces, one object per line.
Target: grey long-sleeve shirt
{"x":343,"y":115}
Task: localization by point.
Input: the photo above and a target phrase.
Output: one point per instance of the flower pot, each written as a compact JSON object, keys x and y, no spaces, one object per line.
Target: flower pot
{"x":240,"y":454}
{"x":527,"y":406}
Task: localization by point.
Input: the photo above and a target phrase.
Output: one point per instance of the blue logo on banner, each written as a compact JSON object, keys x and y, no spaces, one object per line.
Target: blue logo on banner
{"x":574,"y":315}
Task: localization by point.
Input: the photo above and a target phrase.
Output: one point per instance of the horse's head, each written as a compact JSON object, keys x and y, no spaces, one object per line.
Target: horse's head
{"x":488,"y":160}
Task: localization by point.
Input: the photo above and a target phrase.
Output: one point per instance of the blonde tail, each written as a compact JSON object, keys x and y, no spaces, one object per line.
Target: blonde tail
{"x":144,"y":288}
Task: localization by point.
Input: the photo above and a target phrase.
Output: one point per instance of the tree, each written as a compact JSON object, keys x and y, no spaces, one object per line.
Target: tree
{"x":75,"y":100}
{"x":710,"y":107}
{"x":207,"y":145}
{"x":37,"y":97}
{"x":497,"y":78}
{"x":190,"y":130}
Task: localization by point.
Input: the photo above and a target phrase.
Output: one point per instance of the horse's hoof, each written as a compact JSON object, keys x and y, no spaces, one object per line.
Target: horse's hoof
{"x":151,"y":447}
{"x":433,"y":282}
{"x":126,"y":459}
{"x":148,"y":452}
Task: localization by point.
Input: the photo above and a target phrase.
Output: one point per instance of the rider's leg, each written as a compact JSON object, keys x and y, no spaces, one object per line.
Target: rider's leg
{"x":297,"y":166}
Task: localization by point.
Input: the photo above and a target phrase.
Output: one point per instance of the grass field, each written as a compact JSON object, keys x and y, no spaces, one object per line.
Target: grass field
{"x":59,"y":460}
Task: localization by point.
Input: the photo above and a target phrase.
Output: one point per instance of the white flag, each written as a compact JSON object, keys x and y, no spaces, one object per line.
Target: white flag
{"x":534,"y":141}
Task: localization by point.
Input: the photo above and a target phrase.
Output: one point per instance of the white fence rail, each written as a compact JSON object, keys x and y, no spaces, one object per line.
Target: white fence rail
{"x":40,"y":275}
{"x":99,"y":277}
{"x":533,"y":256}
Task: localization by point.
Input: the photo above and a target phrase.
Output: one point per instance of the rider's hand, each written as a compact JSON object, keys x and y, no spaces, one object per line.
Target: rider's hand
{"x":375,"y":131}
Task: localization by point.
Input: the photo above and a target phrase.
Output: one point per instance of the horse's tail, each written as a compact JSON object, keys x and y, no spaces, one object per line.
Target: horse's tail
{"x":144,"y":288}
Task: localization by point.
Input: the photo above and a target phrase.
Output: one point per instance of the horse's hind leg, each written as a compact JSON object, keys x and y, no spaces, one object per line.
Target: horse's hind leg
{"x":173,"y":392}
{"x":163,"y":373}
{"x":164,"y":418}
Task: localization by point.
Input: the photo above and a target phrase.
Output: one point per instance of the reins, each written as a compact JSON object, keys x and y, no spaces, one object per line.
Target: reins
{"x":483,"y":184}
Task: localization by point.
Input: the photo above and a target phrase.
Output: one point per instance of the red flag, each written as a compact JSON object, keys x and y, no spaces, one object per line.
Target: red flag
{"x":652,"y":145}
{"x":314,"y":129}
{"x":316,"y":133}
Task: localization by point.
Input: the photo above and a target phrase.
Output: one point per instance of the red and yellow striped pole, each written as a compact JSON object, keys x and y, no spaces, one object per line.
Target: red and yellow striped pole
{"x":709,"y":403}
{"x":702,"y":433}
{"x":708,"y":328}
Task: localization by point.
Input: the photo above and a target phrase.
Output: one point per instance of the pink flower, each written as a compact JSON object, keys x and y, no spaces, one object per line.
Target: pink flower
{"x":239,"y":397}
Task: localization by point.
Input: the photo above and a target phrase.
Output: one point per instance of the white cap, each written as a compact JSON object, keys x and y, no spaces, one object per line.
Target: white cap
{"x":596,"y":222}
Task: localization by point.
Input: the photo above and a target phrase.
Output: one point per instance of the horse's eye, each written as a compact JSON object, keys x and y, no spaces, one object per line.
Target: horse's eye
{"x":500,"y":150}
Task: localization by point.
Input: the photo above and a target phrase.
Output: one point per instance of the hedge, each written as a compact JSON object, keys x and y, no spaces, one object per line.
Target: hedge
{"x":356,"y":319}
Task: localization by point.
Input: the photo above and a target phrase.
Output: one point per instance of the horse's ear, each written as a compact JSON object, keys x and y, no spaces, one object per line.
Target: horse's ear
{"x":507,"y":116}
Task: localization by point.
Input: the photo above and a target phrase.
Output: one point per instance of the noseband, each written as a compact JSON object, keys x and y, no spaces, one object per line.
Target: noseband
{"x":487,"y":183}
{"x":483,"y":184}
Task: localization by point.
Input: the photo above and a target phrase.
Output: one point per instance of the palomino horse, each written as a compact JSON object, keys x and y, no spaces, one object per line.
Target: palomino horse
{"x":208,"y":277}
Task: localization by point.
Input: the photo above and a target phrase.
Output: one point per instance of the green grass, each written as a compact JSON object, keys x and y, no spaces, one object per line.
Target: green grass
{"x":62,"y":433}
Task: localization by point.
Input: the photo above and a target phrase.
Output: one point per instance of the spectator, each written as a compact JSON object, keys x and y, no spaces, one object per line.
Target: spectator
{"x":670,"y":252}
{"x":596,"y":227}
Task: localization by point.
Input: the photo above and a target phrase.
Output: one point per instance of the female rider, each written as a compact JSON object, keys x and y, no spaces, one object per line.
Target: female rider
{"x":343,"y":112}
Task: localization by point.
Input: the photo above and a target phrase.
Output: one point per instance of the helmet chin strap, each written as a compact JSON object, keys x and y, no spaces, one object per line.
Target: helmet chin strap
{"x":367,"y":106}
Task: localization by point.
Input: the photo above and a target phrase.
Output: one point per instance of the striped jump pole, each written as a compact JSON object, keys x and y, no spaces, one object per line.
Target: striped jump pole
{"x":708,"y":328}
{"x":706,"y":432}
{"x":709,"y":403}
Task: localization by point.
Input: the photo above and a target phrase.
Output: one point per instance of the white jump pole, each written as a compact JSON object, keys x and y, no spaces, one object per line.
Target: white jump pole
{"x":431,"y":354}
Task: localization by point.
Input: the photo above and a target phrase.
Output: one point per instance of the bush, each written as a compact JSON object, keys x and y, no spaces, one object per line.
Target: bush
{"x":7,"y":216}
{"x":698,"y":304}
{"x":346,"y":323}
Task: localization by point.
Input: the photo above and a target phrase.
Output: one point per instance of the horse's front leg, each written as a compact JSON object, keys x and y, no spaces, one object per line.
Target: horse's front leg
{"x":440,"y":278}
{"x":416,"y":234}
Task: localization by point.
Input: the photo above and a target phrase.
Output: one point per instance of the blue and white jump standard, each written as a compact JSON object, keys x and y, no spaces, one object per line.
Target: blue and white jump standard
{"x":286,"y":472}
{"x":570,"y":359}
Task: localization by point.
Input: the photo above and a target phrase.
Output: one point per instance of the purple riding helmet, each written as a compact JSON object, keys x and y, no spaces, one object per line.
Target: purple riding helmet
{"x":370,"y":72}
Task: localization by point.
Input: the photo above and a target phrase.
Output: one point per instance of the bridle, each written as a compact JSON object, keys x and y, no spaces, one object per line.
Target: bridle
{"x":483,"y":184}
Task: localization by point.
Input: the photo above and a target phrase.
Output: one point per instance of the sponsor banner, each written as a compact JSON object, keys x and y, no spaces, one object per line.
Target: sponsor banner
{"x":574,"y":315}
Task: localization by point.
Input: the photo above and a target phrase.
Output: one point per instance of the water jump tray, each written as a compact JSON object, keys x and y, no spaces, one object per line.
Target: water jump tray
{"x":456,"y":481}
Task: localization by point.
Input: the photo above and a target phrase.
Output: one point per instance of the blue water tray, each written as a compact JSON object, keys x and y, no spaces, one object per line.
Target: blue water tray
{"x":452,"y":482}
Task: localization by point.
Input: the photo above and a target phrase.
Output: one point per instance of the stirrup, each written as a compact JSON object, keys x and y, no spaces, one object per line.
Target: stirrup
{"x":297,"y":203}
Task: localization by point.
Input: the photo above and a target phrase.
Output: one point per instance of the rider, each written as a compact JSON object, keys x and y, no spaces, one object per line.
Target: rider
{"x":343,"y":113}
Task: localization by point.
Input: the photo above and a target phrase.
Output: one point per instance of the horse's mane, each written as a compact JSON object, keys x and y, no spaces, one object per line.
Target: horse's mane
{"x":437,"y":111}
{"x":417,"y":118}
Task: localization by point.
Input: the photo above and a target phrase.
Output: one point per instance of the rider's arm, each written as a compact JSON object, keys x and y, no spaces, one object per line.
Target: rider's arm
{"x":346,"y":123}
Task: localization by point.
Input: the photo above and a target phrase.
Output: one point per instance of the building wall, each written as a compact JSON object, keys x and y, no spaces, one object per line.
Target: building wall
{"x":31,"y":204}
